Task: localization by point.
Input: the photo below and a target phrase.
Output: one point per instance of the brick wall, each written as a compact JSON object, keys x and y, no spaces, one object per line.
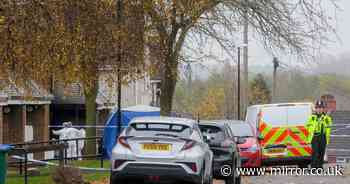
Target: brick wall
{"x":39,"y":119}
{"x":14,"y":124}
{"x":1,"y":126}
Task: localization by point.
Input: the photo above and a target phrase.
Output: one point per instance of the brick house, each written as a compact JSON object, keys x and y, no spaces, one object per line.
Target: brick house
{"x":27,"y":112}
{"x":24,"y":112}
{"x":69,"y":101}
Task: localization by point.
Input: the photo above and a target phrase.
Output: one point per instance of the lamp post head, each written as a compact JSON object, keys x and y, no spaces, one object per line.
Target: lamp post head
{"x":275,"y":62}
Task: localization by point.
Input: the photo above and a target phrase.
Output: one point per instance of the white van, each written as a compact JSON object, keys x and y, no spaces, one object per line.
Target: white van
{"x":281,"y":131}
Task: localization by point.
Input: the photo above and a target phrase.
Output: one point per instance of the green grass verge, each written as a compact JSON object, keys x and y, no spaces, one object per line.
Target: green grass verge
{"x":46,"y":173}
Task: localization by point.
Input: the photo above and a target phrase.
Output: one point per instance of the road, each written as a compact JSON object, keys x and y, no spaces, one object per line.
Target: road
{"x":285,"y":180}
{"x":345,"y":179}
{"x":293,"y":180}
{"x":288,"y":179}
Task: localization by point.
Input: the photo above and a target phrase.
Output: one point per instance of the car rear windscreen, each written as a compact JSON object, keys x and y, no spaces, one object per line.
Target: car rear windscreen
{"x":159,"y":129}
{"x":241,"y":130}
{"x":215,"y":134}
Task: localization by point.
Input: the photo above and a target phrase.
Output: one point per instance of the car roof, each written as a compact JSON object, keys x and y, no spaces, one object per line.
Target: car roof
{"x":233,"y":123}
{"x":229,"y":121}
{"x":164,"y":119}
{"x":236,"y":122}
{"x":217,"y":123}
{"x":282,"y":104}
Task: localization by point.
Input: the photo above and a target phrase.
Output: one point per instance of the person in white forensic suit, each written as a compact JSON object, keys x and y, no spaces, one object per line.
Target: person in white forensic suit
{"x":81,"y":143}
{"x":68,"y":132}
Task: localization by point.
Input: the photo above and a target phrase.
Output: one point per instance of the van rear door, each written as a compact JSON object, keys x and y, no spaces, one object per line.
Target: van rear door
{"x":273,"y":130}
{"x":297,"y":139}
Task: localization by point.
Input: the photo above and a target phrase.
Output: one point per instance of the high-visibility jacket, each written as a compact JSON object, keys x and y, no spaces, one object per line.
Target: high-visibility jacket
{"x":319,"y":125}
{"x":328,"y":124}
{"x":311,"y":126}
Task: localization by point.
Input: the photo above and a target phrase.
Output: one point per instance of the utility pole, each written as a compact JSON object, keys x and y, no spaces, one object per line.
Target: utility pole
{"x":274,"y":86}
{"x":189,"y":82}
{"x":239,"y":84}
{"x":245,"y":60}
{"x":119,"y":58}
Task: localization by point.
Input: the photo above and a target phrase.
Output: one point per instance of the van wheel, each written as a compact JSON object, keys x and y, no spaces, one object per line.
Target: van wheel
{"x":303,"y":166}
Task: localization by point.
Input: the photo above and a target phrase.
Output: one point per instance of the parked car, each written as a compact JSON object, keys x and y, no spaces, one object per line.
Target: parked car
{"x":282,"y":132}
{"x":162,"y":149}
{"x":248,"y":143}
{"x":221,"y":141}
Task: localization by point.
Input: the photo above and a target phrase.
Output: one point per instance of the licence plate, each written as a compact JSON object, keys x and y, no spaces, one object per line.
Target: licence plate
{"x":276,"y":150}
{"x":156,"y":147}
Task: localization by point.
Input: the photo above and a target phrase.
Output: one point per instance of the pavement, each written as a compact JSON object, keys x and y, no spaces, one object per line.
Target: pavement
{"x":345,"y":179}
{"x":294,"y":180}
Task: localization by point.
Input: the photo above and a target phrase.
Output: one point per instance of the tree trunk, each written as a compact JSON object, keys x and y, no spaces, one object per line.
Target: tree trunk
{"x":90,"y":113}
{"x":169,"y":80}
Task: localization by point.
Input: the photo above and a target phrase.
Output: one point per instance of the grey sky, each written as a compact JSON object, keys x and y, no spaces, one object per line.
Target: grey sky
{"x":344,"y":29}
{"x":259,"y":57}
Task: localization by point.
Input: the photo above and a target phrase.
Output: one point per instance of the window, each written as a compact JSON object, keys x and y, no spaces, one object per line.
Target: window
{"x":197,"y":134}
{"x":275,"y":116}
{"x":241,"y":130}
{"x":159,"y":129}
{"x":227,"y":132}
{"x":215,"y":134}
{"x":298,"y":115}
{"x":252,"y":115}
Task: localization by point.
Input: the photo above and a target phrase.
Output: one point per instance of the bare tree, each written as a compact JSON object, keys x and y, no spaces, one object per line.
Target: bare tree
{"x":292,"y":26}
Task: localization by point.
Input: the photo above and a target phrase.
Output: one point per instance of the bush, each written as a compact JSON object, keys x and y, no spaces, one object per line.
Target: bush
{"x":68,"y":175}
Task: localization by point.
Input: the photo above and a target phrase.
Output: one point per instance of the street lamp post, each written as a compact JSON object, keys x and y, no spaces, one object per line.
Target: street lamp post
{"x":245,"y":57}
{"x":276,"y":64}
{"x":239,"y":88}
{"x":119,"y":58}
{"x":239,"y":84}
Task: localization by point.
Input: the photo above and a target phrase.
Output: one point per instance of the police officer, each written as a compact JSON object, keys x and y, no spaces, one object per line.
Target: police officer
{"x":319,"y":127}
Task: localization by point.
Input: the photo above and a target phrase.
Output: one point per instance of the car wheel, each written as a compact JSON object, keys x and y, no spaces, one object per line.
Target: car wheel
{"x":203,"y":179}
{"x":111,"y":181}
{"x":232,"y":178}
{"x":238,"y":180}
{"x":210,"y":179}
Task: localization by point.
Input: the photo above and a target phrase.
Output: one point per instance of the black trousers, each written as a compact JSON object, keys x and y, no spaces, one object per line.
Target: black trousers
{"x":319,"y":144}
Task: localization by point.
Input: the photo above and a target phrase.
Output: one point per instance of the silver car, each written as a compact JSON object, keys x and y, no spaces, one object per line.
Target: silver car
{"x":162,"y":149}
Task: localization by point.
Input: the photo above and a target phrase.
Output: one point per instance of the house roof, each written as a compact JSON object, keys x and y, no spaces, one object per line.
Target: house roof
{"x":29,"y":93}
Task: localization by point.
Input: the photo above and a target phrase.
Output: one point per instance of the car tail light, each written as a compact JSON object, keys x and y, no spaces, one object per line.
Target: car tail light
{"x":118,"y":163}
{"x":253,"y":148}
{"x":124,"y":142}
{"x":154,"y":178}
{"x":188,"y":144}
{"x":192,"y":166}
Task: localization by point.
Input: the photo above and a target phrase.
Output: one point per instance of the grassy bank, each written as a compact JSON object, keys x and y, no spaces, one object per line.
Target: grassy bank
{"x":46,"y":172}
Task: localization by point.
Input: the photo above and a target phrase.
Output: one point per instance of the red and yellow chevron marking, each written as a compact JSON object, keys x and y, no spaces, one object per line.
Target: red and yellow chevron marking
{"x":295,"y":137}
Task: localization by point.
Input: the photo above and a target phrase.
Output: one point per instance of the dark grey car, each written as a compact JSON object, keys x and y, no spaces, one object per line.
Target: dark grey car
{"x":221,"y":140}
